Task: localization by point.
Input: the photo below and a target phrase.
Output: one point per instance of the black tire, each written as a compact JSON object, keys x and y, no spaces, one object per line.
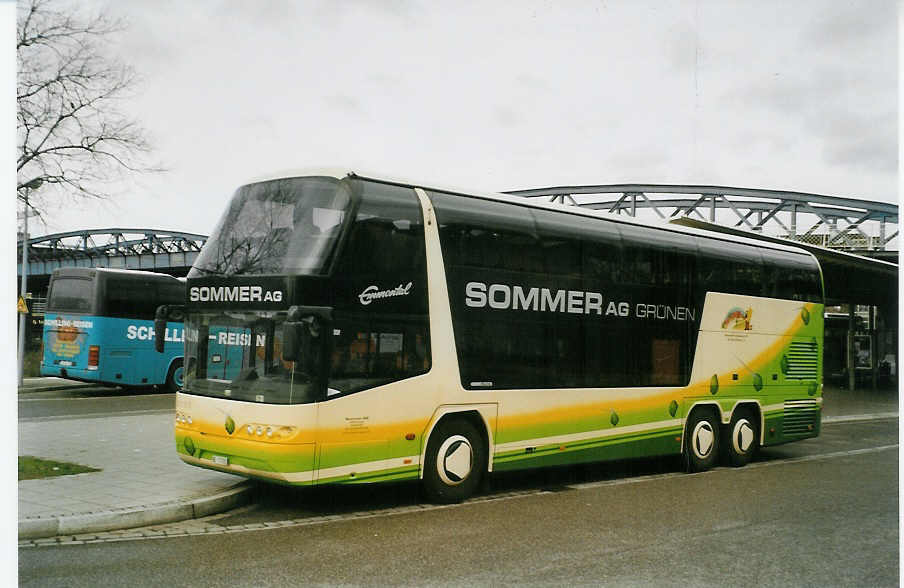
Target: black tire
{"x":174,"y":377}
{"x":701,"y":441}
{"x":742,"y":438}
{"x":455,"y":462}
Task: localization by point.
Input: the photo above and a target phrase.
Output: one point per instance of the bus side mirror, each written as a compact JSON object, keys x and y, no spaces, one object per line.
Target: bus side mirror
{"x":163,"y":314}
{"x":160,"y":328}
{"x":291,"y":341}
{"x":303,"y":331}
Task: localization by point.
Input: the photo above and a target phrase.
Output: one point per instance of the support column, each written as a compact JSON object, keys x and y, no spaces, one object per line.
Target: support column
{"x":873,"y":348}
{"x":794,"y":221}
{"x":882,"y":233}
{"x":851,"y":359}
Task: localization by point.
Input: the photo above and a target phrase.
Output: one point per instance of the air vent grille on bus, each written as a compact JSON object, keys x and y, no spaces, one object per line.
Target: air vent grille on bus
{"x":800,"y":417}
{"x":803,"y":360}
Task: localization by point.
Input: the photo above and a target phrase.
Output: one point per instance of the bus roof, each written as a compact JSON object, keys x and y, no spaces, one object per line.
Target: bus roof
{"x":82,"y":271}
{"x":340,"y":173}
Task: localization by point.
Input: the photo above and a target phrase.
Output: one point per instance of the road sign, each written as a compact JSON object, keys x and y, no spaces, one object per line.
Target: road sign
{"x":21,"y":306}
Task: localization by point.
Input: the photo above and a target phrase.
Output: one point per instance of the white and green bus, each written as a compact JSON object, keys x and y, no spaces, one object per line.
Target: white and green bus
{"x":384,"y":330}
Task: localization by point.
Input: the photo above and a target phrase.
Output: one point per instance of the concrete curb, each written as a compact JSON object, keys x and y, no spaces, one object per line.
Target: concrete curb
{"x":114,"y":520}
{"x":852,"y":418}
{"x":51,"y":383}
{"x":52,"y":387}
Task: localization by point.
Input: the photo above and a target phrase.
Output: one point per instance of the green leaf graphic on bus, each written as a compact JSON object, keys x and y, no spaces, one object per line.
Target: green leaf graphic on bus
{"x":812,"y":387}
{"x":230,"y":425}
{"x":673,"y":408}
{"x":189,"y":446}
{"x":805,"y":316}
{"x":714,"y":384}
{"x":757,"y":382}
{"x":614,"y":418}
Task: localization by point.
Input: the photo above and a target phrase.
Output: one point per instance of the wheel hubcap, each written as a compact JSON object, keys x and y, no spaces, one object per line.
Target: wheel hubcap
{"x":454,"y":460}
{"x":742,"y":438}
{"x":177,"y":377}
{"x":703,"y":439}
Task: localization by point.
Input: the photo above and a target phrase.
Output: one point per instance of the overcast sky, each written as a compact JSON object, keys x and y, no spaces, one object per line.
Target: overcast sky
{"x":503,"y":95}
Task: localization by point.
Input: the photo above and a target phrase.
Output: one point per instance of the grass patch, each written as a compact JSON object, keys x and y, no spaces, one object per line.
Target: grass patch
{"x":35,"y":468}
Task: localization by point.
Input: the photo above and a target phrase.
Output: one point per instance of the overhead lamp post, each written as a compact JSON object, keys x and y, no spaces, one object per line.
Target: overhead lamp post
{"x":32,"y":185}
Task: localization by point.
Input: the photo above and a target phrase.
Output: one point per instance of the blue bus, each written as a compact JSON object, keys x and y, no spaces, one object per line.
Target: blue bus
{"x":99,"y":327}
{"x":228,"y":351}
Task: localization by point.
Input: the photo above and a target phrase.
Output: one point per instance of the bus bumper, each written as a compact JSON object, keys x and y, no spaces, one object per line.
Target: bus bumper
{"x":285,"y":463}
{"x":70,"y":373}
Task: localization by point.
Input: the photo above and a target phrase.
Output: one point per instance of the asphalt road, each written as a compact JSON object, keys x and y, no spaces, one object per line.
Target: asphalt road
{"x":87,"y":401}
{"x":823,"y":512}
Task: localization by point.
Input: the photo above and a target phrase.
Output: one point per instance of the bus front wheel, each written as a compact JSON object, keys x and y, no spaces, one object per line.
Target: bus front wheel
{"x":174,"y":379}
{"x":701,"y":447}
{"x":455,"y":461}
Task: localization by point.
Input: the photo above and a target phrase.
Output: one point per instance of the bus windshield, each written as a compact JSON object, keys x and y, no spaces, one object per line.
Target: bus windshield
{"x":237,"y":355}
{"x":288,"y":226}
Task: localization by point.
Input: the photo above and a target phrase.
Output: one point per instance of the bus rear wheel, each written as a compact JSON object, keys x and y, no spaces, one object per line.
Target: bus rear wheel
{"x":455,"y":462}
{"x":743,"y":435}
{"x":701,"y":447}
{"x":174,"y":379}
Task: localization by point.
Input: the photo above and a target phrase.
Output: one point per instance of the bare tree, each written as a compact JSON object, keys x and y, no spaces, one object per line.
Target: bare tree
{"x":71,"y":131}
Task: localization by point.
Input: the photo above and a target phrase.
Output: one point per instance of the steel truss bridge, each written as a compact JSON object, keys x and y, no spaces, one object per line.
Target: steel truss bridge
{"x":861,"y":226}
{"x":170,"y":252}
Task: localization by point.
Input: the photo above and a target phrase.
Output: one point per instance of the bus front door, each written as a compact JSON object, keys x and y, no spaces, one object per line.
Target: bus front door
{"x":353,"y":444}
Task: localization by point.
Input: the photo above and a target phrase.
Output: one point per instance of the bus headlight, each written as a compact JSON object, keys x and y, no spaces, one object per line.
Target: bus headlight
{"x":275,"y":432}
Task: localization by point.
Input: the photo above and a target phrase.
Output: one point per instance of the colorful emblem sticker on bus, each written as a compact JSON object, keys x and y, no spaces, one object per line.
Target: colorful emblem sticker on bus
{"x":738,"y":319}
{"x":66,"y":342}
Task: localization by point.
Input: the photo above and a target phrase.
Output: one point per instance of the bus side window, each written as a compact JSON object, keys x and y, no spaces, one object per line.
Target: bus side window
{"x":365,"y":356}
{"x":562,"y":250}
{"x":386,"y":239}
{"x":487,"y":235}
{"x":798,"y":278}
{"x":384,"y":340}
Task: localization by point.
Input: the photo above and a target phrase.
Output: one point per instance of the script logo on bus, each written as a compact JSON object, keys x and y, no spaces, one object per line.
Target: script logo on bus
{"x":372,"y":293}
{"x":233,"y":294}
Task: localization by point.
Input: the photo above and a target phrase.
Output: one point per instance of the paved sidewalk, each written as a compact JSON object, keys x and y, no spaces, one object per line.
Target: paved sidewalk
{"x":144,"y":483}
{"x":840,"y":404}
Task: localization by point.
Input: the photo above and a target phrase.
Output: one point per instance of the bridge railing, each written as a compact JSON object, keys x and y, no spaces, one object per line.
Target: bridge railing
{"x":146,"y":249}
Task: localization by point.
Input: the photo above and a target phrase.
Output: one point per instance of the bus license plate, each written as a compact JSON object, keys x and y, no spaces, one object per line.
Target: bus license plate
{"x":220,"y":460}
{"x":65,"y":363}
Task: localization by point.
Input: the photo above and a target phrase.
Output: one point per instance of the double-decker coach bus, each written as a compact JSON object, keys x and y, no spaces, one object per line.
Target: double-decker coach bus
{"x":390,"y":331}
{"x":99,"y":327}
